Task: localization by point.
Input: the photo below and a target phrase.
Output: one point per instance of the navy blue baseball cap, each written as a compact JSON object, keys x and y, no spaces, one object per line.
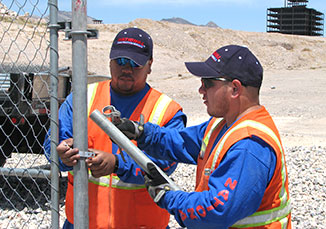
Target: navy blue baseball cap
{"x":134,"y":44}
{"x":231,"y":61}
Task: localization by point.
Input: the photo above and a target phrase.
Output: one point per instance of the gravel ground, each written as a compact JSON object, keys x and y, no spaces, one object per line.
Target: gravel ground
{"x":25,"y":201}
{"x":307,"y":178}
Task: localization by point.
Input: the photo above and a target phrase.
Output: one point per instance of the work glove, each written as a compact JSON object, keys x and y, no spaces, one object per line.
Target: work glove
{"x":155,"y":183}
{"x":130,"y":128}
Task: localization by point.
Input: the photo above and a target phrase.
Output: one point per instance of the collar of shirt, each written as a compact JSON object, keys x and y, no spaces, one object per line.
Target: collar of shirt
{"x":127,"y":104}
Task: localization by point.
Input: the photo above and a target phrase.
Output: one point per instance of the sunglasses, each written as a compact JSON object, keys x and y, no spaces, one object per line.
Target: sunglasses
{"x":122,"y":61}
{"x":208,"y":82}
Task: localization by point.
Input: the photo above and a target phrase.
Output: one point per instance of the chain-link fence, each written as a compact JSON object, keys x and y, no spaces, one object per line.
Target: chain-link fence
{"x":32,"y":87}
{"x":25,"y":97}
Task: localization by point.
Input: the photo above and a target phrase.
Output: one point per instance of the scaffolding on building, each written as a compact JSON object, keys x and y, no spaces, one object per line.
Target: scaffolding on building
{"x":295,"y":18}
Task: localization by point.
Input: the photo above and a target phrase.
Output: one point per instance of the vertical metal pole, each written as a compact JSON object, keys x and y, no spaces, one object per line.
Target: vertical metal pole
{"x":55,"y":194}
{"x":79,"y":81}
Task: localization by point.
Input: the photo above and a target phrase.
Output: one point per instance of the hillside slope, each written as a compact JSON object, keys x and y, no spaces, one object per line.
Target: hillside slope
{"x":176,"y":43}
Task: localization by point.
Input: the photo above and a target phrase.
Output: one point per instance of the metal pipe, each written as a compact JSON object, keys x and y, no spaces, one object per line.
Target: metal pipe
{"x":54,"y":104}
{"x":133,"y":151}
{"x":35,"y":173}
{"x":79,"y":82}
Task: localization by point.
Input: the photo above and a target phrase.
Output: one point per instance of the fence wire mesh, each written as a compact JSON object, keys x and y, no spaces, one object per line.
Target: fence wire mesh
{"x":25,"y":187}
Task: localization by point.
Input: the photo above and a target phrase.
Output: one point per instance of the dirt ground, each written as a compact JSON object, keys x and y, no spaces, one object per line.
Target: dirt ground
{"x":294,"y":80}
{"x":295,"y":99}
{"x":293,"y":89}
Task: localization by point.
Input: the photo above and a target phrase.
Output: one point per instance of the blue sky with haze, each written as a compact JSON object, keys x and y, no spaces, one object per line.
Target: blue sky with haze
{"x":246,"y":15}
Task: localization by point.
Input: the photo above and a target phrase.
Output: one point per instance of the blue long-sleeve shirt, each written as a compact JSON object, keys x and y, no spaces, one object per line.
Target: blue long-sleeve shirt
{"x":126,"y":105}
{"x":251,"y":162}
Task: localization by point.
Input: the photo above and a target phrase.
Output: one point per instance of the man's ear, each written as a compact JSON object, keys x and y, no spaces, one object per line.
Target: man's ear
{"x":150,"y":65}
{"x":236,"y":88}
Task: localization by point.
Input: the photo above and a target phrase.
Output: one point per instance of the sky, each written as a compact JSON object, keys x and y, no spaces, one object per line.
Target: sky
{"x":246,"y":15}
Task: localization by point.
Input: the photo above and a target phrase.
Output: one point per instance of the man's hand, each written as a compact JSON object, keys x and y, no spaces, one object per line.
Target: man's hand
{"x":102,"y":164}
{"x":155,"y":183}
{"x":130,"y":128}
{"x":67,"y":154}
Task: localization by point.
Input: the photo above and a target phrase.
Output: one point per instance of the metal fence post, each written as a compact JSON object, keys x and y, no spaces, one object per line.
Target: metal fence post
{"x":53,"y":25}
{"x":79,"y":79}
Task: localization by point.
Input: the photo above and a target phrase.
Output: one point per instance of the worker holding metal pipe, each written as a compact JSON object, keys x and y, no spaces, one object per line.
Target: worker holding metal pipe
{"x":117,"y":194}
{"x":242,"y":180}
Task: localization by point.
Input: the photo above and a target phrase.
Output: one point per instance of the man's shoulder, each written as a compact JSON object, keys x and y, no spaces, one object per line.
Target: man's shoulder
{"x":255,"y":145}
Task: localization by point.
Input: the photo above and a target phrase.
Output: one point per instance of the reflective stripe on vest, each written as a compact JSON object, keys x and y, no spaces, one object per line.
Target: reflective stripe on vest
{"x":91,"y":92}
{"x":159,"y":109}
{"x":116,"y":182}
{"x":208,"y":135}
{"x":262,"y":217}
{"x":102,"y":181}
{"x":156,"y":117}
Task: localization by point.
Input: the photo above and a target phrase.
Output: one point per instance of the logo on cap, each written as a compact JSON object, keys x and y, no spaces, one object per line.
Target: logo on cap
{"x":215,"y":56}
{"x":131,"y":41}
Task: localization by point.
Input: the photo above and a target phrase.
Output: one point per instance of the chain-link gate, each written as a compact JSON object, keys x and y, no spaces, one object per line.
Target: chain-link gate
{"x":25,"y":76}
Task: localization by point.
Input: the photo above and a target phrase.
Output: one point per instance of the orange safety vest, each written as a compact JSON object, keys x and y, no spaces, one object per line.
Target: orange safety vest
{"x":275,"y":208}
{"x":112,"y":202}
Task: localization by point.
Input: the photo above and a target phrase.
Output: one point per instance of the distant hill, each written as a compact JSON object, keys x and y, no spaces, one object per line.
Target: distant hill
{"x":211,"y":24}
{"x":178,"y":20}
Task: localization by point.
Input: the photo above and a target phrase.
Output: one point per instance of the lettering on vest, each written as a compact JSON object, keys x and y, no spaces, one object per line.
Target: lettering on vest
{"x":192,"y":213}
{"x":167,"y":168}
{"x":210,"y":208}
{"x":201,"y":211}
{"x":230,"y":183}
{"x":137,"y":171}
{"x":183,"y":215}
{"x":224,"y":194}
{"x":217,"y":202}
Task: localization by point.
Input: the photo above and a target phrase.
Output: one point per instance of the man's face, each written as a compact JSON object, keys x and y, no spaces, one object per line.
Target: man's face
{"x":127,"y":80}
{"x":215,"y":96}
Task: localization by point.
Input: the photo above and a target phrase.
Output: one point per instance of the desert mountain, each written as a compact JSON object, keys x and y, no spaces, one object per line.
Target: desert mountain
{"x":176,"y":43}
{"x":177,"y":20}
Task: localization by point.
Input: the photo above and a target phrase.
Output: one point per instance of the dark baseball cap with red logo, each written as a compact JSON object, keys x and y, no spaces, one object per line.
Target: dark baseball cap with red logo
{"x":231,"y":61}
{"x":134,"y":44}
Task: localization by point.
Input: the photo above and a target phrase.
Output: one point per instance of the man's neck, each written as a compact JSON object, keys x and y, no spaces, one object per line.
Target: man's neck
{"x":128,"y":94}
{"x":242,"y":113}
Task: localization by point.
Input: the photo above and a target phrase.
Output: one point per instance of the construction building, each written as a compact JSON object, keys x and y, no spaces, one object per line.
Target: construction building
{"x":295,"y":18}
